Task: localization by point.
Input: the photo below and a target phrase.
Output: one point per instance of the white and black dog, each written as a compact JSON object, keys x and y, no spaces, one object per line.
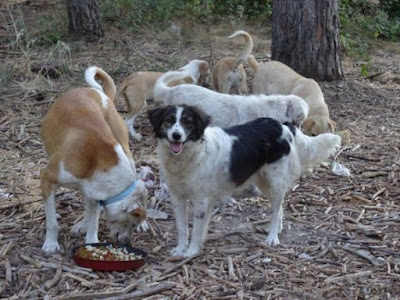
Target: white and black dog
{"x":203,"y":164}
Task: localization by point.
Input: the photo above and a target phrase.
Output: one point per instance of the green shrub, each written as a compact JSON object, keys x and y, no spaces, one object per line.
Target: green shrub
{"x":363,"y":23}
{"x":391,"y":7}
{"x":133,"y":14}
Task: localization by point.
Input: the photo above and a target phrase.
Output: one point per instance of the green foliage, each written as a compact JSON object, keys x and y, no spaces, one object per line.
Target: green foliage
{"x":133,"y":14}
{"x":363,"y":22}
{"x":391,"y":7}
{"x":51,"y":29}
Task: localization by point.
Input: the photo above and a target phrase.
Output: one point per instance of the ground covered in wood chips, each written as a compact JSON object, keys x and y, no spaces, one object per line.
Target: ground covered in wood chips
{"x":341,"y":234}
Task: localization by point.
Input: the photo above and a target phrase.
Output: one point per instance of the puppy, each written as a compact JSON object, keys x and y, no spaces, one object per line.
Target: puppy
{"x":88,"y":147}
{"x":274,"y":77}
{"x":228,"y":74}
{"x":138,"y":87}
{"x":228,"y":110}
{"x":203,"y":164}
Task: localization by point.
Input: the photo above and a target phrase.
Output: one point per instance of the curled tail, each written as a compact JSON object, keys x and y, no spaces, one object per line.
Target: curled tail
{"x":253,"y":63}
{"x":315,"y":149}
{"x":164,"y":83}
{"x":109,"y":87}
{"x":248,"y":46}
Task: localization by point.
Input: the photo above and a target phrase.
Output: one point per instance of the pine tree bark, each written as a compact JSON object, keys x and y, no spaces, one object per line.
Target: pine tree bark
{"x":305,"y":36}
{"x":83,"y":18}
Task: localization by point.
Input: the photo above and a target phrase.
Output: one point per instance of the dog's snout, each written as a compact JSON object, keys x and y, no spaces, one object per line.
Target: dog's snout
{"x":139,"y":213}
{"x":176,"y":136}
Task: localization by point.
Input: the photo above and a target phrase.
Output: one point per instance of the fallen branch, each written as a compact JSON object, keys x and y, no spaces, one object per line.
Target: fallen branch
{"x":349,"y":276}
{"x":18,"y":203}
{"x":165,"y":286}
{"x":364,"y":254}
{"x":183,"y":262}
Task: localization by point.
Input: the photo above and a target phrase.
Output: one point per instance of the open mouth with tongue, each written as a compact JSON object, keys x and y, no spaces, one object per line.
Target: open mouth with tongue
{"x":176,"y":147}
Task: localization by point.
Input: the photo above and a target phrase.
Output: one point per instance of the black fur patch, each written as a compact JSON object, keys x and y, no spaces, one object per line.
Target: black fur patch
{"x":259,"y":142}
{"x":195,"y":120}
{"x":291,"y":127}
{"x":157,"y":116}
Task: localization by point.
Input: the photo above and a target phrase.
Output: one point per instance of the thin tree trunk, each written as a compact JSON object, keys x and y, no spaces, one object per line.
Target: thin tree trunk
{"x":83,"y":18}
{"x":305,"y":36}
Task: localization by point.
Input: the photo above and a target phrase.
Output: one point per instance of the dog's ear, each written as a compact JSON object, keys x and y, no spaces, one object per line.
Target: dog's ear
{"x":204,"y":68}
{"x":308,"y":124}
{"x":156,"y":117}
{"x":201,"y":121}
{"x":332,"y":125}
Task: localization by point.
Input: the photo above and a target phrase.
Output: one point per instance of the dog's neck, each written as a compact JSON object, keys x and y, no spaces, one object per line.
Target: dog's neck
{"x":211,"y":148}
{"x":191,"y":155}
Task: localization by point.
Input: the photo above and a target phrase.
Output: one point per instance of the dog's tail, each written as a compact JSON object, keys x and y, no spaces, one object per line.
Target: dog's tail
{"x":248,"y":46}
{"x":314,"y":149}
{"x":168,"y":80}
{"x":109,"y":87}
{"x":253,"y":63}
{"x":195,"y":68}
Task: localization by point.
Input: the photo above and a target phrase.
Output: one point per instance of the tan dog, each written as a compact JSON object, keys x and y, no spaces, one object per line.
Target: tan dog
{"x":274,"y":77}
{"x":228,"y":74}
{"x":88,"y":147}
{"x":138,"y":87}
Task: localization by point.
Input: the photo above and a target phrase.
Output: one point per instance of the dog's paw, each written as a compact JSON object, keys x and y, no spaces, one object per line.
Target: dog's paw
{"x":79,"y":228}
{"x":51,"y":247}
{"x":137,"y":136}
{"x":178,"y":251}
{"x":228,"y":200}
{"x":191,"y":251}
{"x":272,"y":240}
{"x":142,"y":227}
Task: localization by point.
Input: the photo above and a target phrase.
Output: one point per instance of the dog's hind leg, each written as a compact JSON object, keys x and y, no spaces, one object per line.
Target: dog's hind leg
{"x":202,"y":216}
{"x":179,"y":207}
{"x":136,"y":102}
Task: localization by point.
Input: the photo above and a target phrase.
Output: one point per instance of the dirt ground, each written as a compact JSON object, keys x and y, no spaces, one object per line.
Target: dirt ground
{"x":341,"y":236}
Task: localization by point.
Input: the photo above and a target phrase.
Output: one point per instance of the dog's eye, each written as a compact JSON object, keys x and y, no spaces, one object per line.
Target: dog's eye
{"x":170,"y":120}
{"x":187,"y":120}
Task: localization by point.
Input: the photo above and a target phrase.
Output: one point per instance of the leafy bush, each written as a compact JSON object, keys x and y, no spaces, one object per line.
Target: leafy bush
{"x":133,"y":14}
{"x":363,"y":22}
{"x":391,"y":7}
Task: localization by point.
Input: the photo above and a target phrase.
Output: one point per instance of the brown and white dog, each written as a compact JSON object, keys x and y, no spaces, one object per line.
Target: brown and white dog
{"x":228,"y":74}
{"x":274,"y":77}
{"x":88,"y":147}
{"x":138,"y":87}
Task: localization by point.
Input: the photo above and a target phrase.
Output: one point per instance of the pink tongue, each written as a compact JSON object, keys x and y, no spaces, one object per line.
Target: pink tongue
{"x":176,"y":146}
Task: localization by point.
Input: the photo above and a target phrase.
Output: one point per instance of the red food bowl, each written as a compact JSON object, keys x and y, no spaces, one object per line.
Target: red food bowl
{"x":110,"y":265}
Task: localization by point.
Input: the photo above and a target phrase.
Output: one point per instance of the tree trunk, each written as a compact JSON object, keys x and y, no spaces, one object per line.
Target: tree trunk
{"x":305,"y":36}
{"x":83,"y":18}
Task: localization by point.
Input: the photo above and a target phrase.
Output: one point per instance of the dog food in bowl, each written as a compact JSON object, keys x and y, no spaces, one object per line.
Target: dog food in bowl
{"x":108,"y":257}
{"x":108,"y":253}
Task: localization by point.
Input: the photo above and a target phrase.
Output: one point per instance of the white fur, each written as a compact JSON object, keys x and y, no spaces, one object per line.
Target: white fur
{"x":193,"y":70}
{"x":104,"y":98}
{"x":90,"y":73}
{"x":201,"y":174}
{"x":228,"y":110}
{"x":101,"y":186}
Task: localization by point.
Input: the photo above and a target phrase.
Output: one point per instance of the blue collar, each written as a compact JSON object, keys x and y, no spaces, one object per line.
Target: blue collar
{"x":118,"y":197}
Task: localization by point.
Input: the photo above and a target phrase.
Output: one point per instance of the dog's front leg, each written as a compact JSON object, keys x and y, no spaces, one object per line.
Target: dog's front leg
{"x":92,"y":211}
{"x":179,"y":207}
{"x":202,"y":215}
{"x":276,"y":195}
{"x":50,"y":243}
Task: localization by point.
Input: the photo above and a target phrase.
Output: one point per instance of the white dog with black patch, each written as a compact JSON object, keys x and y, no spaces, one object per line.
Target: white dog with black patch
{"x":228,"y":110}
{"x":202,"y":164}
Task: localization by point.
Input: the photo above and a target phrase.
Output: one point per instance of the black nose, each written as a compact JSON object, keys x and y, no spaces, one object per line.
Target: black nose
{"x":176,"y":136}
